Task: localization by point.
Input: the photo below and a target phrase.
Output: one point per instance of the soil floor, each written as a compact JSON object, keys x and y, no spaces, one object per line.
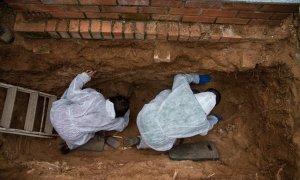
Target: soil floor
{"x":257,"y":139}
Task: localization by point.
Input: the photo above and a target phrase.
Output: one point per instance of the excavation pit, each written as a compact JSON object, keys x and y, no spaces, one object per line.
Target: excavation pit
{"x":256,"y":138}
{"x":257,"y":73}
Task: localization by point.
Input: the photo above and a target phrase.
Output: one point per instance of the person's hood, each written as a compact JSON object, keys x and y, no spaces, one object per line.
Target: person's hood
{"x":110,"y":109}
{"x":207,"y":100}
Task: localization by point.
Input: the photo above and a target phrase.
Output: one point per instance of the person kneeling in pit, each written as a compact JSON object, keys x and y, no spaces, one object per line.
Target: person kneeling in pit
{"x":80,"y":113}
{"x":176,"y":113}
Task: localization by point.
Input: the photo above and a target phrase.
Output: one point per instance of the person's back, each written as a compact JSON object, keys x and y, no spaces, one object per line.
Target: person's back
{"x":70,"y":116}
{"x":176,"y":113}
{"x":82,"y":112}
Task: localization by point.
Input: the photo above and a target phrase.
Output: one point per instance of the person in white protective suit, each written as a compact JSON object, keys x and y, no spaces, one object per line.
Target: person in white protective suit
{"x":176,"y":113}
{"x":80,"y":113}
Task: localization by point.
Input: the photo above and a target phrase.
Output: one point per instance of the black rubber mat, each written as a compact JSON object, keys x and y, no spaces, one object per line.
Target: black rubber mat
{"x":94,"y":144}
{"x":196,"y":151}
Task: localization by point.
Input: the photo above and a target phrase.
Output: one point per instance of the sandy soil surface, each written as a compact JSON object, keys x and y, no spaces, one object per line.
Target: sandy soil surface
{"x":259,"y":84}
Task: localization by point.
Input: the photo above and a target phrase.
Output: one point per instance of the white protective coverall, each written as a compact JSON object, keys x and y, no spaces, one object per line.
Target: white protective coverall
{"x":176,"y":113}
{"x":82,"y":112}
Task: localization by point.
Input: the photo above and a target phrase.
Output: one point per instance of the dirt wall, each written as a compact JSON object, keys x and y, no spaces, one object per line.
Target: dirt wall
{"x":259,"y":82}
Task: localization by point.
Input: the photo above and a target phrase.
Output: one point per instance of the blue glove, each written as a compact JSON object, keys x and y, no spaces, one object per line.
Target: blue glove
{"x":218,"y":117}
{"x":204,"y":78}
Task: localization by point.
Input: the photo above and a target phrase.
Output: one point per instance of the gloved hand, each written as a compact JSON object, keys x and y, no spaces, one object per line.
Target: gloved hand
{"x":91,"y":73}
{"x":204,"y":78}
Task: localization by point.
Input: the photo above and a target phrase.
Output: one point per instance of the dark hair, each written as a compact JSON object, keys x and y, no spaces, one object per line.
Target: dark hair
{"x":121,"y":105}
{"x":216,"y":92}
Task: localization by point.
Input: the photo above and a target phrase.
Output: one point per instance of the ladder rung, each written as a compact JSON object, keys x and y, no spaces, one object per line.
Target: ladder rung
{"x":48,"y":125}
{"x":8,"y":107}
{"x":31,"y":110}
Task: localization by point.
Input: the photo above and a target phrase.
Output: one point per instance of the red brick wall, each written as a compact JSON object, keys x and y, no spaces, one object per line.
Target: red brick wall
{"x":157,"y":10}
{"x":145,"y":30}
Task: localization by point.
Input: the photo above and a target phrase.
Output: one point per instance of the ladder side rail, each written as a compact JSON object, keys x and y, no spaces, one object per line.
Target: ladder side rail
{"x":26,"y":90}
{"x":27,"y":133}
{"x":8,"y":107}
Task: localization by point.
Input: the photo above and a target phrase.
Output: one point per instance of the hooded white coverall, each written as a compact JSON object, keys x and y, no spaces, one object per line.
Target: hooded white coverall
{"x":160,"y":132}
{"x":82,"y":112}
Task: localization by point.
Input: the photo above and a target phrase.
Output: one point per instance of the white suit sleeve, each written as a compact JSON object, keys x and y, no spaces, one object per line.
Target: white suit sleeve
{"x":119,"y":124}
{"x":78,"y":82}
{"x":125,"y":121}
{"x":180,"y":79}
{"x":213,"y":120}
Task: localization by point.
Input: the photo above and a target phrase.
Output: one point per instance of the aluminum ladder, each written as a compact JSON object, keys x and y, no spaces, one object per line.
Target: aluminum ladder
{"x":45,"y":128}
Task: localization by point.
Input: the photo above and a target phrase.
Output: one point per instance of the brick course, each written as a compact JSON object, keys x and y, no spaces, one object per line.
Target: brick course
{"x":119,"y":9}
{"x":63,"y":14}
{"x":139,"y":32}
{"x":162,"y":34}
{"x":184,"y":11}
{"x":153,"y":10}
{"x":74,"y":28}
{"x":59,"y":1}
{"x":106,"y":29}
{"x":201,"y":19}
{"x":197,"y":4}
{"x":173,"y":31}
{"x":62,"y":28}
{"x":136,"y":17}
{"x":184,"y":32}
{"x":238,"y":6}
{"x":194,"y":32}
{"x":134,"y":2}
{"x":89,"y":8}
{"x":129,"y":30}
{"x":193,"y":11}
{"x":218,"y":13}
{"x":93,"y":15}
{"x":118,"y":30}
{"x":167,"y":3}
{"x":51,"y":28}
{"x":152,"y":30}
{"x":85,"y":29}
{"x":98,"y":2}
{"x":96,"y":29}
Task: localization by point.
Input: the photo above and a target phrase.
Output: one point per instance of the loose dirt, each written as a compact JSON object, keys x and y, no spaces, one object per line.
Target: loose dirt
{"x":259,"y":81}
